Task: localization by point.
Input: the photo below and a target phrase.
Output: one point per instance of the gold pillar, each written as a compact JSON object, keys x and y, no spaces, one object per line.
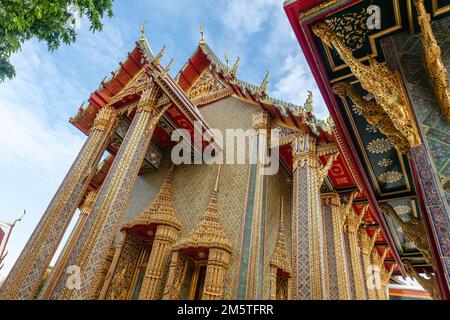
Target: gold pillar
{"x":32,"y":263}
{"x":351,"y":229}
{"x":338,"y":278}
{"x":58,"y":270}
{"x":165,"y":236}
{"x":366,"y":244}
{"x":216,"y":270}
{"x":308,"y":263}
{"x":113,"y":195}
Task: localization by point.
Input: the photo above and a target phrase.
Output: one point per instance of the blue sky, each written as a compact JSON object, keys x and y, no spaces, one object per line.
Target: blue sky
{"x":38,"y":144}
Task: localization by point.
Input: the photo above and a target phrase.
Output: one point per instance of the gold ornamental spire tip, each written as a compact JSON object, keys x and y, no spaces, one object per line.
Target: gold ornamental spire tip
{"x":142,"y":29}
{"x":202,"y":33}
{"x":216,"y":186}
{"x":281,"y":210}
{"x":227,"y":61}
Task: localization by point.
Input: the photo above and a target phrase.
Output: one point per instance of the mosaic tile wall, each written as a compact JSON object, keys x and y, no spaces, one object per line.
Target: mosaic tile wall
{"x":193,"y":184}
{"x":434,"y":125}
{"x":277,"y":185}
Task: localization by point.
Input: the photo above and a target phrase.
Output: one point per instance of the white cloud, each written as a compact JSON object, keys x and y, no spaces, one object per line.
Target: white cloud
{"x":248,"y":15}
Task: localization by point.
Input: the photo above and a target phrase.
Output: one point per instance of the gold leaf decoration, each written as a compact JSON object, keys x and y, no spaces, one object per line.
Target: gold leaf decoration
{"x":385,"y":162}
{"x":351,"y":28}
{"x":380,"y":146}
{"x":390,"y":177}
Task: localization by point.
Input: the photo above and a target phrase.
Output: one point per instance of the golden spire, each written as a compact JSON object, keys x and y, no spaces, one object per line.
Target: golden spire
{"x":209,"y":232}
{"x":160,"y":210}
{"x":202,"y":33}
{"x":279,"y":257}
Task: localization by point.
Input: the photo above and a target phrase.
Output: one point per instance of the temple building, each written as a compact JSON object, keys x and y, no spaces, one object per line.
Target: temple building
{"x":356,"y":199}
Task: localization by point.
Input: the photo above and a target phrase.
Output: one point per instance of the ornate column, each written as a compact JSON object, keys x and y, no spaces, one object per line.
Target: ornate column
{"x":378,"y":262}
{"x":351,"y":229}
{"x":216,"y":270}
{"x":308,"y":263}
{"x":250,"y":282}
{"x":162,"y":214}
{"x":32,"y":263}
{"x":338,"y":278}
{"x":58,"y":270}
{"x":114,"y":193}
{"x":366,"y":244}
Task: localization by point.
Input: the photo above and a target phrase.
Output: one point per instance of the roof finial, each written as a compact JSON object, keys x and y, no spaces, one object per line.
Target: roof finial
{"x":202,"y":33}
{"x":226,"y":60}
{"x":216,"y":186}
{"x":308,"y":106}
{"x":166,"y":69}
{"x":157,"y":59}
{"x":265,"y":84}
{"x":142,"y":28}
{"x":19,"y":218}
{"x":235,"y":67}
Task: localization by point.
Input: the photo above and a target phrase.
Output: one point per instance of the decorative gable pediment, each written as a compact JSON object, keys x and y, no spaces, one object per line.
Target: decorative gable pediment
{"x":207,"y":88}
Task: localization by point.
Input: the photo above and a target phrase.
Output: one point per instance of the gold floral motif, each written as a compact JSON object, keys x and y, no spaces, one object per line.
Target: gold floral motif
{"x":385,"y":162}
{"x":381,"y":145}
{"x":390,"y":177}
{"x":351,"y":28}
{"x":372,"y":128}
